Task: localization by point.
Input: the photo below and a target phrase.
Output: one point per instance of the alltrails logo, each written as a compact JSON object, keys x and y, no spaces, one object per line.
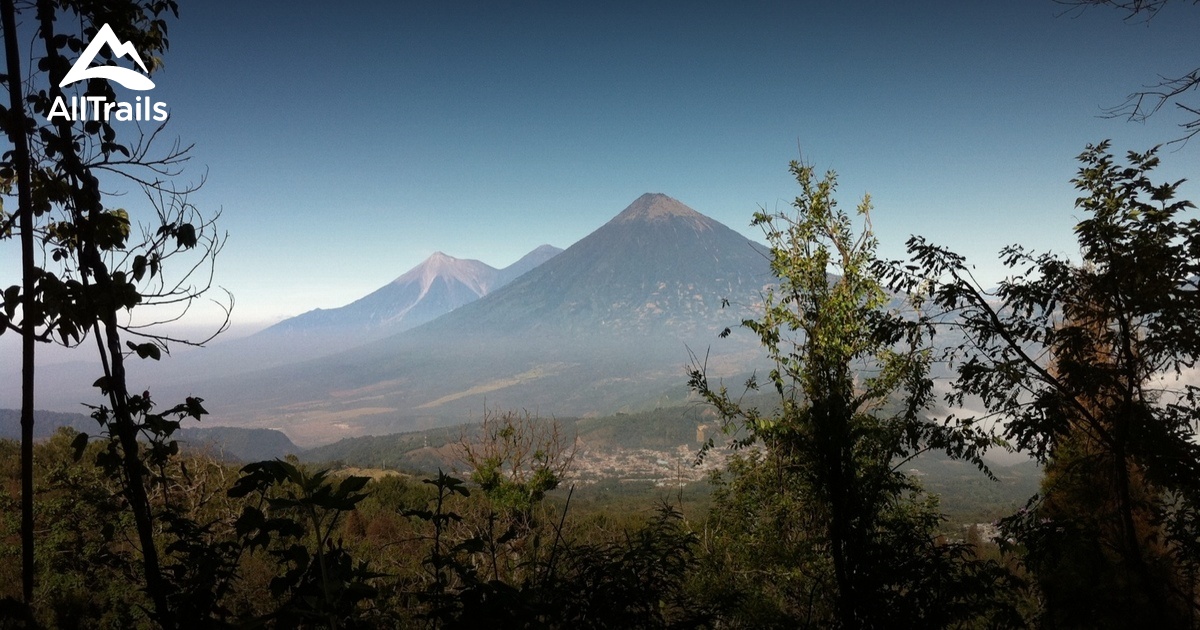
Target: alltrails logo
{"x":97,"y":107}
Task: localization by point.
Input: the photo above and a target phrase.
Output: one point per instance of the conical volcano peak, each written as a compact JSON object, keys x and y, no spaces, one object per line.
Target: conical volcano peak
{"x":473,"y":273}
{"x":437,"y":262}
{"x":655,"y":207}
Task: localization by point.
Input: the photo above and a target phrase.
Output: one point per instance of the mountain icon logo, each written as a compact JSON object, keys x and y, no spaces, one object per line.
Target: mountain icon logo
{"x":83,"y":68}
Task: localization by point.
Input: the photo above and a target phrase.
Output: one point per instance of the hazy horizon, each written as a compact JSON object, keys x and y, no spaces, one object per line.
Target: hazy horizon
{"x":346,"y":143}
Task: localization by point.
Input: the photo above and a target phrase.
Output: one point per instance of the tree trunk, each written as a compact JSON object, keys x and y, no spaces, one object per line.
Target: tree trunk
{"x":16,"y":133}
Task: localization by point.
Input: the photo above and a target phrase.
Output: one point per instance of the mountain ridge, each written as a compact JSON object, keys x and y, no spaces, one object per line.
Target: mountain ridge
{"x":664,"y":264}
{"x":437,"y":285}
{"x":607,"y":325}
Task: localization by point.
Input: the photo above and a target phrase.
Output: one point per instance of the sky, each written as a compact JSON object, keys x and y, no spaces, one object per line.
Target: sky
{"x":344,"y":142}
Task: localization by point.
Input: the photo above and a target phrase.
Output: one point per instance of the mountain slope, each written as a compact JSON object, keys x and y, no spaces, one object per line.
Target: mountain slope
{"x":605,"y":326}
{"x":527,"y":263}
{"x":658,"y":267}
{"x":437,"y":286}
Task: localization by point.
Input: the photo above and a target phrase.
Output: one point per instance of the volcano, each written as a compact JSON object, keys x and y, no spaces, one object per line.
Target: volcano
{"x":440,"y":284}
{"x":609,"y":324}
{"x":658,"y":268}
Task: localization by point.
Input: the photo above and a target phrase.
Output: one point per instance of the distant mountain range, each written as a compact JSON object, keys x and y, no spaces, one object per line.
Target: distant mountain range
{"x":433,"y":288}
{"x":607,"y":325}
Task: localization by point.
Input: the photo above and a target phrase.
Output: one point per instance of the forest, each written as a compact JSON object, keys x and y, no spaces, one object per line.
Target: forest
{"x":1084,"y":365}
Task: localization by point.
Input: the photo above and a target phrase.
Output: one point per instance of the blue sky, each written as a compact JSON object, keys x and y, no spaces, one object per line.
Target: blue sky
{"x":345,"y":141}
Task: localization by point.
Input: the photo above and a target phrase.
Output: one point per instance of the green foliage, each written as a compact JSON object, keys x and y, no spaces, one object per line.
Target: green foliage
{"x":398,"y":553}
{"x":88,"y":564}
{"x":853,"y":388}
{"x":321,"y":582}
{"x":761,"y":557}
{"x":517,"y":459}
{"x":82,"y":520}
{"x":636,"y":581}
{"x":640,"y":581}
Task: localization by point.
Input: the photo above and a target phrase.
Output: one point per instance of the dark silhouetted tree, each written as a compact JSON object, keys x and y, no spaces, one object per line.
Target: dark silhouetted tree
{"x":1083,"y":362}
{"x":101,"y":262}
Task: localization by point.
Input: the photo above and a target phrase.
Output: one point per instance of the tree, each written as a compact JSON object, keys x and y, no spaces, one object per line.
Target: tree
{"x":517,"y":459}
{"x":1079,"y":359}
{"x":100,"y":268}
{"x":20,"y":163}
{"x":853,"y":392}
{"x":1144,"y":103}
